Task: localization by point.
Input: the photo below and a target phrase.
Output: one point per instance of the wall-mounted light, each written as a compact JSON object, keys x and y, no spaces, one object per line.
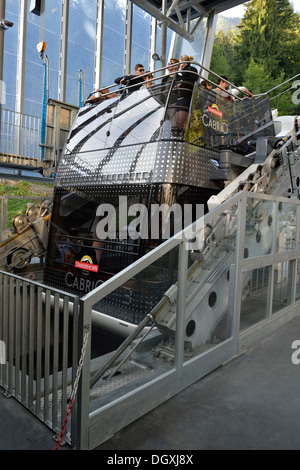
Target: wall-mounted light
{"x":5,"y":24}
{"x":156,"y":57}
{"x":41,"y":47}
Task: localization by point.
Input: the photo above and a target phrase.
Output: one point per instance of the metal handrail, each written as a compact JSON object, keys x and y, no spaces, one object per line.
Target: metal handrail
{"x":20,"y":135}
{"x":202,"y":67}
{"x":102,"y":291}
{"x":277,"y":86}
{"x":116,"y":281}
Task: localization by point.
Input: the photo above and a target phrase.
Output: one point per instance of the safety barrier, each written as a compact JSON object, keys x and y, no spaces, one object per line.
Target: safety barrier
{"x":41,"y":345}
{"x":250,"y":286}
{"x":247,"y":286}
{"x":20,"y":138}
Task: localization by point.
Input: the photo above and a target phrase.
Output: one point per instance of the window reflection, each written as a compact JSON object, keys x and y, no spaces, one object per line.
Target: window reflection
{"x":81,"y":49}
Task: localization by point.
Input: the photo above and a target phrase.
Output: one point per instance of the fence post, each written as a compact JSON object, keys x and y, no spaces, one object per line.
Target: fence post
{"x":82,"y":409}
{"x":240,"y":246}
{"x":181,"y":301}
{"x":3,"y":218}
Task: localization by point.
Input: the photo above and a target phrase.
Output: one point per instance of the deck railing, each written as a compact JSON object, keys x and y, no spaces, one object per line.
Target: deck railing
{"x":20,"y":135}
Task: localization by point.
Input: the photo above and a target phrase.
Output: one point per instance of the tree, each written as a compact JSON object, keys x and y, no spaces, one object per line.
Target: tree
{"x":222,"y":60}
{"x":259,"y":81}
{"x":256,"y":78}
{"x":268,"y":34}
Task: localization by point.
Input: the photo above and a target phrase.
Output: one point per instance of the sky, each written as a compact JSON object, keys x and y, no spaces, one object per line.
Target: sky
{"x":239,"y":10}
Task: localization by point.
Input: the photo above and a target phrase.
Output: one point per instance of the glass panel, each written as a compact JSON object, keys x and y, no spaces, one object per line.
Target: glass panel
{"x":113,"y":41}
{"x":298,"y":281}
{"x":254,"y":297}
{"x":259,"y":227}
{"x":140,"y":38}
{"x":287,"y":223}
{"x":116,"y":316}
{"x":10,"y":56}
{"x":52,"y":38}
{"x":34,"y":67}
{"x":195,"y":48}
{"x":81,"y":47}
{"x":282,"y":286}
{"x":208,"y":314}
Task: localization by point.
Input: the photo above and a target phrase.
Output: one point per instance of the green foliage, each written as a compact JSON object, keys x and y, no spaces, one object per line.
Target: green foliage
{"x":18,"y":206}
{"x":263,"y":51}
{"x":21,"y":188}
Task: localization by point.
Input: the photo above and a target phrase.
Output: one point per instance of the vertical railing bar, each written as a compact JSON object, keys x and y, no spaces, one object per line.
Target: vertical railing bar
{"x":65,"y":357}
{"x":11,"y":313}
{"x":17,"y":339}
{"x":37,"y":140}
{"x":24,"y":134}
{"x":5,"y":332}
{"x":297,"y":239}
{"x":27,"y":136}
{"x":30,"y":135}
{"x":8,"y":133}
{"x":275,"y":215}
{"x":270,"y":291}
{"x":75,"y":332}
{"x":39,"y":330}
{"x":11,"y":339}
{"x":181,"y":302}
{"x":31,"y":346}
{"x":240,"y":247}
{"x":47,"y":357}
{"x":2,"y":126}
{"x":16,"y":134}
{"x":80,"y":413}
{"x":2,"y":129}
{"x":55,"y":360}
{"x":293,"y":278}
{"x":24,"y":341}
{"x":1,"y":320}
{"x":34,"y":139}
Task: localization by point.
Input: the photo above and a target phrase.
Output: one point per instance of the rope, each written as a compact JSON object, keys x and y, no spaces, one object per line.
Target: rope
{"x":44,"y":113}
{"x":42,"y":21}
{"x":73,"y":394}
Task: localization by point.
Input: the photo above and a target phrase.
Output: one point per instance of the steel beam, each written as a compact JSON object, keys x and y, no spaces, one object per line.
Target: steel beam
{"x":63,"y":55}
{"x":209,"y":42}
{"x":20,"y":78}
{"x":164,"y":29}
{"x":2,"y":15}
{"x":152,"y":46}
{"x":98,"y":44}
{"x":128,"y":38}
{"x":161,"y":17}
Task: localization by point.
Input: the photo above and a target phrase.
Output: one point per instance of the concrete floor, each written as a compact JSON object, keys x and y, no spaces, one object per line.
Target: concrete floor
{"x":253,"y":402}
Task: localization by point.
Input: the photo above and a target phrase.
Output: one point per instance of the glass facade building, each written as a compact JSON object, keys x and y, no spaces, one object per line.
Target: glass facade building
{"x":79,"y":46}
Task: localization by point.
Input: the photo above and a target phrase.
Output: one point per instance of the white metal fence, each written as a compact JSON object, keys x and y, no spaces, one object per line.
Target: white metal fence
{"x":20,"y":135}
{"x":40,"y":339}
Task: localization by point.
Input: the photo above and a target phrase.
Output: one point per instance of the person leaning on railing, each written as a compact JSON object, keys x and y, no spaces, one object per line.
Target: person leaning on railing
{"x":101,"y":95}
{"x":188,"y":76}
{"x":222,"y":87}
{"x":206,"y":85}
{"x":132,"y":79}
{"x":172,"y":68}
{"x":148,"y":79}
